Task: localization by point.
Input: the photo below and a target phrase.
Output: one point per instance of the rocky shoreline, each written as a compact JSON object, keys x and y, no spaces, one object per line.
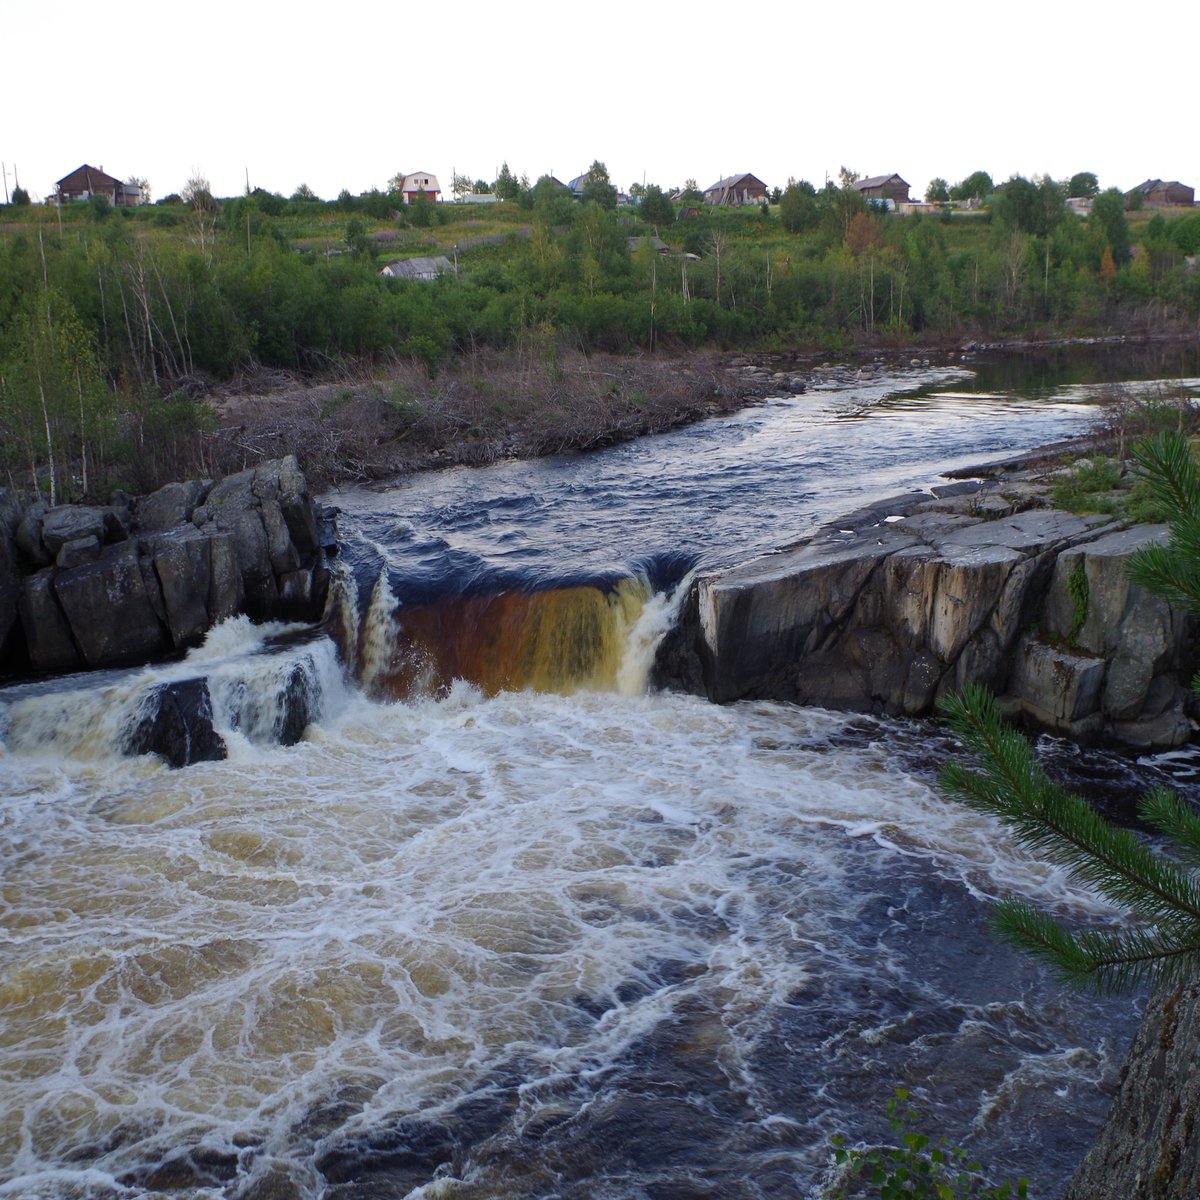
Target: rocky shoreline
{"x":85,"y":587}
{"x":890,"y":608}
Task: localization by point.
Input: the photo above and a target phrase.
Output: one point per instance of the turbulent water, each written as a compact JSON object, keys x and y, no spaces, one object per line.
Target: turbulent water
{"x":537,"y":934}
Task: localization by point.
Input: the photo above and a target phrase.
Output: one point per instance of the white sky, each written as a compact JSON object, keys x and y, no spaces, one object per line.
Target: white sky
{"x":347,"y":95}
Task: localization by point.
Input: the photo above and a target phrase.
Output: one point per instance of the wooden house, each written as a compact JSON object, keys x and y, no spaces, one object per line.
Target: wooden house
{"x":1159,"y":193}
{"x":85,"y":182}
{"x":884,"y":187}
{"x":420,"y":181}
{"x":736,"y":189}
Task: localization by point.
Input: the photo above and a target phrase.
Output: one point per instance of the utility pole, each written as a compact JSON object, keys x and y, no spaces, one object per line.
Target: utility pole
{"x":4,"y":169}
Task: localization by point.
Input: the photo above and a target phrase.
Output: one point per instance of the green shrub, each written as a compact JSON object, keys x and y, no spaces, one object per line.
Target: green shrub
{"x":917,"y":1166}
{"x":1087,"y":487}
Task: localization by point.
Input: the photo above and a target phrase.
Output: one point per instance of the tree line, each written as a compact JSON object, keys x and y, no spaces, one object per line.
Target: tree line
{"x":109,"y":322}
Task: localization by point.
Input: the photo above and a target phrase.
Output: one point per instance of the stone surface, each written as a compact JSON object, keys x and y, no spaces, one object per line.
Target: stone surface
{"x":29,"y":535}
{"x":1055,"y":685}
{"x":12,"y":509}
{"x":183,"y":567}
{"x":48,"y":641}
{"x":170,"y":506}
{"x":884,"y":614}
{"x":70,"y":523}
{"x":197,"y":555}
{"x":1148,"y":1147}
{"x":176,"y":723}
{"x":109,"y":610}
{"x":296,"y":708}
{"x":75,"y":553}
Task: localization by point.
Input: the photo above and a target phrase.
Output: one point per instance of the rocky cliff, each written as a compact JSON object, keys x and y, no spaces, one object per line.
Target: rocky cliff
{"x":144,"y":578}
{"x":893,"y":606}
{"x":1147,"y":1148}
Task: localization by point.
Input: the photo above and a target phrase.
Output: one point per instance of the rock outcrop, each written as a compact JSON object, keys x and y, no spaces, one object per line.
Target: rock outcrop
{"x":142,"y":579}
{"x":900,"y":603}
{"x":1147,"y":1148}
{"x":176,"y":723}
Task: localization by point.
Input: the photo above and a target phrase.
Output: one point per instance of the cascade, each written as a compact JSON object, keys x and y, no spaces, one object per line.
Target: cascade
{"x":563,"y":639}
{"x":265,"y":684}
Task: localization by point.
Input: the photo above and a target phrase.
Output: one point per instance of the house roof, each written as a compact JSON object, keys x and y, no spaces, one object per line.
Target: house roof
{"x":878,"y":181}
{"x":1153,"y":185}
{"x":418,"y":268}
{"x":732,"y":181}
{"x":633,"y":244}
{"x":87,"y":179}
{"x":414,"y":178}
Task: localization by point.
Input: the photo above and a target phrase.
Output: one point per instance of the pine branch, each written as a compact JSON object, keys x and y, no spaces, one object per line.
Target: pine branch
{"x":1098,"y":960}
{"x":1166,"y":463}
{"x":1011,"y":785}
{"x":1161,"y":570}
{"x":1163,"y":810}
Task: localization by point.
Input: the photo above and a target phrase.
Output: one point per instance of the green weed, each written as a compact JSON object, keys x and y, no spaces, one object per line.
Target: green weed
{"x":917,"y":1166}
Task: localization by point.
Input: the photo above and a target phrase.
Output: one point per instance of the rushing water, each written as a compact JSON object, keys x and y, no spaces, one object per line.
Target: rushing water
{"x":571,"y":940}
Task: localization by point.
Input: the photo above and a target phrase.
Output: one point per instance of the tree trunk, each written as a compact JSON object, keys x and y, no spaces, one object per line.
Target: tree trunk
{"x":1149,"y":1145}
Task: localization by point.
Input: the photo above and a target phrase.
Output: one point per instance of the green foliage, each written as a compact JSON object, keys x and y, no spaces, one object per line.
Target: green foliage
{"x":798,"y":208}
{"x":205,"y":287}
{"x":977,"y":186}
{"x":1172,"y":570}
{"x":597,"y":188}
{"x":1183,"y":231}
{"x":507,"y":185}
{"x":1108,"y":219}
{"x":99,"y":206}
{"x":1033,"y":208}
{"x":20,"y":197}
{"x":1083,"y":183}
{"x":552,"y":202}
{"x":1009,"y":783}
{"x":1079,"y":591}
{"x":918,"y":1166}
{"x":655,"y":207}
{"x":937,"y":190}
{"x":55,"y":413}
{"x":1082,"y":489}
{"x":422,"y":211}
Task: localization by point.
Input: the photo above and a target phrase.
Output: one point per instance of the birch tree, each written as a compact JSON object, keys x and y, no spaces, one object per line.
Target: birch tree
{"x":54,"y":406}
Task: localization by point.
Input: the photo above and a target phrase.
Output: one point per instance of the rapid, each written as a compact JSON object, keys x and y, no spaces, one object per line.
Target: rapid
{"x":505,"y":923}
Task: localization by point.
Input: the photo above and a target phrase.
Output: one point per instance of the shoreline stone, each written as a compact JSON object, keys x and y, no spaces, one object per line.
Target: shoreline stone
{"x":889,"y":609}
{"x":140,"y":580}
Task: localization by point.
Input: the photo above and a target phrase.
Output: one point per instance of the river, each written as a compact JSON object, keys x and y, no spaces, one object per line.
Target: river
{"x":506,"y":925}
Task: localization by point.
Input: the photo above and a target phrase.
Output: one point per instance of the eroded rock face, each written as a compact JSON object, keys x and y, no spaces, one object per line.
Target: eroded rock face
{"x":907,"y":600}
{"x":1147,"y":1148}
{"x":141,"y":579}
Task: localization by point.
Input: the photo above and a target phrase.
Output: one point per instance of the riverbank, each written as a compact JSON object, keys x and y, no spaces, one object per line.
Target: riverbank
{"x":482,"y":408}
{"x":491,"y":406}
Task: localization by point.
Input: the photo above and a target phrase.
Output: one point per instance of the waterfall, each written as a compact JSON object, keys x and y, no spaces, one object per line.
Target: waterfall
{"x":265,"y":683}
{"x":584,"y":637}
{"x":654,"y":622}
